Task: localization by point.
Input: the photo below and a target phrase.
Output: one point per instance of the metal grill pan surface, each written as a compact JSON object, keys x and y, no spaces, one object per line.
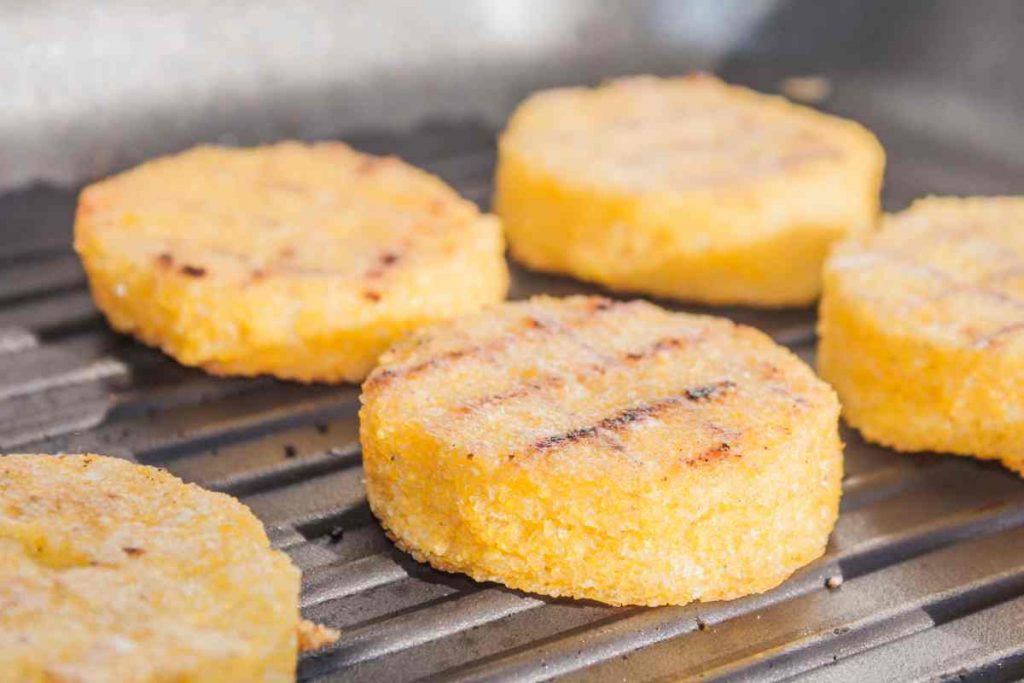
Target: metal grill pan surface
{"x":929,"y":550}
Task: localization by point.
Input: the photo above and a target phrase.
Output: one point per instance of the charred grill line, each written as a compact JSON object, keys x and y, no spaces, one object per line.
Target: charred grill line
{"x":617,"y":422}
{"x":530,"y":323}
{"x":663,"y":344}
{"x":952,"y":285}
{"x":1003,"y":331}
{"x":519,"y":392}
{"x":386,"y":376}
{"x":533,"y":386}
{"x":721,"y":450}
{"x":708,"y":391}
{"x":384,"y":263}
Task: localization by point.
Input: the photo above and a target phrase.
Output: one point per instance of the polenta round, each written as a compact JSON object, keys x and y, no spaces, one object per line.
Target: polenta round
{"x":611,"y":451}
{"x":301,"y":261}
{"x":922,"y":329}
{"x":685,"y":188}
{"x":114,"y":572}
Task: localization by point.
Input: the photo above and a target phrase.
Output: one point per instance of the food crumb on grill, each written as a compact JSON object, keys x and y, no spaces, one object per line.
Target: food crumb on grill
{"x":315,"y":636}
{"x":834,"y":582}
{"x":810,"y":89}
{"x":290,"y":451}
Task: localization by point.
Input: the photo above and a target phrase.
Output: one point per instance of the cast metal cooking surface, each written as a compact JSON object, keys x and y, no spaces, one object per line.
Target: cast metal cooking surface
{"x":930,"y":550}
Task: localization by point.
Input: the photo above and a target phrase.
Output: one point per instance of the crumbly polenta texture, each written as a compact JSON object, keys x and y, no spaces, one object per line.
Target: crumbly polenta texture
{"x":685,"y":188}
{"x":611,"y":451}
{"x":301,"y":261}
{"x":922,"y":329}
{"x":116,"y":573}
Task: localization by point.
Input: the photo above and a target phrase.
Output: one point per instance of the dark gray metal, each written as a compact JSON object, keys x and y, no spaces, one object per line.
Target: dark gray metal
{"x":929,"y":548}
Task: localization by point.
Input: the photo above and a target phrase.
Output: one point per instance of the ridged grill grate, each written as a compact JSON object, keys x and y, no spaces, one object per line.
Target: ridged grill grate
{"x":930,"y":550}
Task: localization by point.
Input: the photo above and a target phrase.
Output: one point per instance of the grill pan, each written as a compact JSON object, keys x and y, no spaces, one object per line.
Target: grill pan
{"x":924,"y":576}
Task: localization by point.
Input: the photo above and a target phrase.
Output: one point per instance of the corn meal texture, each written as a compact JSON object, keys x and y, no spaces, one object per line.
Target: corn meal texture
{"x":116,"y":573}
{"x":301,"y":261}
{"x":922,"y":329}
{"x":614,"y":451}
{"x":685,"y":188}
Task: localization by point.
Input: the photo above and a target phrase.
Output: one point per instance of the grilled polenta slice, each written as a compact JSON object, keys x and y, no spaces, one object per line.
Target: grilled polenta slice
{"x":685,"y":188}
{"x":613,"y":451}
{"x":301,"y":261}
{"x":114,"y":572}
{"x":922,"y":329}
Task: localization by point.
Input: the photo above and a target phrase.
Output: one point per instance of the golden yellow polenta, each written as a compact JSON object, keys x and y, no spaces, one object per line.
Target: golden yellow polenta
{"x":922,"y":329}
{"x":301,"y":261}
{"x":116,"y":573}
{"x":613,"y":451}
{"x":685,"y":188}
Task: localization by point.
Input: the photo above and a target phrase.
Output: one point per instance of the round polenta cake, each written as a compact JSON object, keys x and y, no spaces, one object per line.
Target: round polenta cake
{"x":685,"y":188}
{"x":301,"y":261}
{"x":922,"y":329}
{"x":614,"y":451}
{"x":112,"y":572}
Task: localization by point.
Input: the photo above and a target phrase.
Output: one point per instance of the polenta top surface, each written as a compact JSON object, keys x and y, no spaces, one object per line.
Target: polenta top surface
{"x":948,"y":270}
{"x":587,"y":381}
{"x":650,"y":134}
{"x":114,"y":571}
{"x":289,"y":211}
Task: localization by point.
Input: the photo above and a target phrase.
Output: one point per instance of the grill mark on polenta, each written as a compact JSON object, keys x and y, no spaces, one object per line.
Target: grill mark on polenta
{"x":383,"y":377}
{"x":527,"y":389}
{"x":952,"y":286}
{"x":951,"y":282}
{"x":1004,"y":331}
{"x":530,"y":324}
{"x":663,"y":344}
{"x":384,"y":263}
{"x":618,"y":422}
{"x":706,"y":392}
{"x":590,"y":369}
{"x":720,"y":451}
{"x":739,"y":129}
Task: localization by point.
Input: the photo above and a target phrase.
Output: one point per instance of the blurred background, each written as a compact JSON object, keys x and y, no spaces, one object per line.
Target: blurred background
{"x":90,"y":87}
